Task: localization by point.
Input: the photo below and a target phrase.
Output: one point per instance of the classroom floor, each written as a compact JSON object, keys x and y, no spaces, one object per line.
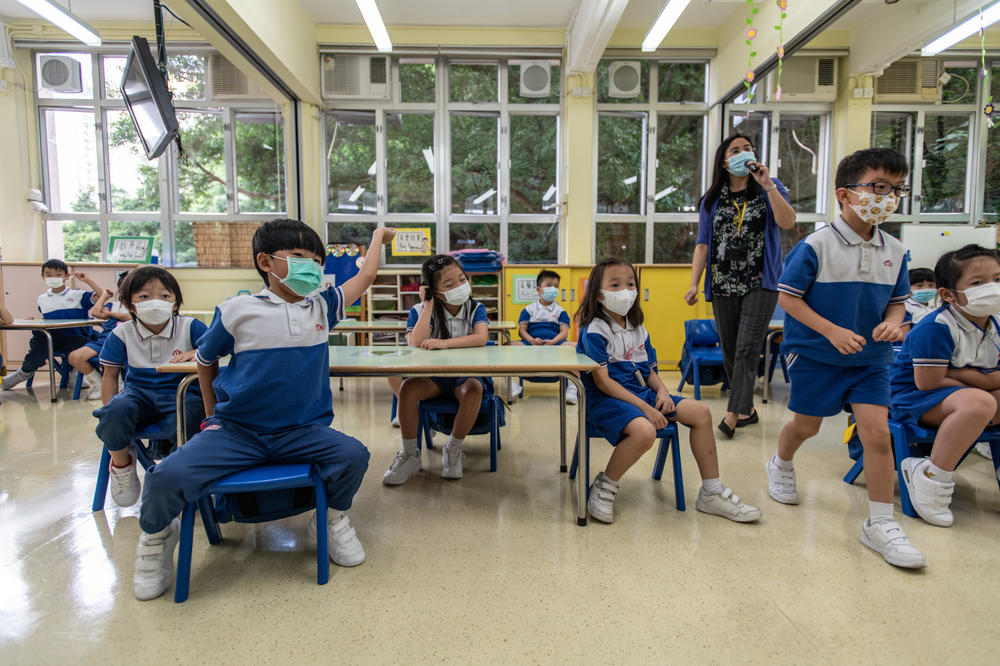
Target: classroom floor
{"x":494,"y":567}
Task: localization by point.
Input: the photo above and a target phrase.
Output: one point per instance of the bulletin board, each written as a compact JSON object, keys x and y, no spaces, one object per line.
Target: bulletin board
{"x":927,"y":242}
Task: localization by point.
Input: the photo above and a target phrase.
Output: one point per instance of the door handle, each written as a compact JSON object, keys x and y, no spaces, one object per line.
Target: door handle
{"x":564,"y":294}
{"x":572,"y":295}
{"x":646,"y":294}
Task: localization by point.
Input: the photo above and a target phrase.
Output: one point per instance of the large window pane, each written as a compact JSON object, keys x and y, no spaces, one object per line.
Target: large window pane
{"x":991,"y":197}
{"x":536,"y":76}
{"x":474,"y":235}
{"x":260,"y":162}
{"x":416,"y":80}
{"x":135,"y":181}
{"x":350,"y":151}
{"x":474,"y":163}
{"x":620,"y":159}
{"x":350,"y":232}
{"x":756,"y":125}
{"x":114,"y":69}
{"x":65,"y":75}
{"x":74,"y":241}
{"x":625,"y":80}
{"x":681,"y":82}
{"x":201,"y":170}
{"x":533,"y":144}
{"x":71,"y":154}
{"x":184,"y":252}
{"x":946,"y":155}
{"x":187,"y":76}
{"x":390,"y":258}
{"x":800,"y":144}
{"x":477,"y":82}
{"x":533,"y":243}
{"x":620,"y":239}
{"x":678,"y":163}
{"x":896,"y":130}
{"x":134,"y":228}
{"x":673,"y":242}
{"x":409,"y":169}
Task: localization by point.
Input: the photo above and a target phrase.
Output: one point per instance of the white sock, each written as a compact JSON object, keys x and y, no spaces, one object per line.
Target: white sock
{"x":455,"y":442}
{"x":712,"y":486}
{"x":783,"y":464}
{"x":410,"y":446}
{"x":934,"y":472}
{"x":880,"y":511}
{"x":333,"y":516}
{"x":609,"y":479}
{"x":93,"y":378}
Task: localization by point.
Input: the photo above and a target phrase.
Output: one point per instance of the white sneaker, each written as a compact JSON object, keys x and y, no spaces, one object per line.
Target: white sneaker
{"x":95,"y":393}
{"x":930,"y":498}
{"x":517,"y":389}
{"x":781,"y":482}
{"x":14,"y":378}
{"x":451,"y":462}
{"x":154,"y":562}
{"x":571,"y":394}
{"x":124,"y":482}
{"x":342,"y":541}
{"x":395,"y":421}
{"x":983,"y":449}
{"x":401,"y":469}
{"x":886,"y":537}
{"x":728,"y":505}
{"x":601,"y":505}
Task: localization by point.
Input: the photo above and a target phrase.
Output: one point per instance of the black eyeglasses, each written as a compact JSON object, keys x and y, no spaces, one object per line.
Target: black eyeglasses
{"x":884,"y":188}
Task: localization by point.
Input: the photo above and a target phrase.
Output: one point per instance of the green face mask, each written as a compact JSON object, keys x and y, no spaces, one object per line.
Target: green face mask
{"x":304,"y":275}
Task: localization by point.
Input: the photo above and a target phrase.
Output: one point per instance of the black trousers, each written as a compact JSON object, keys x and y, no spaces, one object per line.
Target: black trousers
{"x":742,"y":323}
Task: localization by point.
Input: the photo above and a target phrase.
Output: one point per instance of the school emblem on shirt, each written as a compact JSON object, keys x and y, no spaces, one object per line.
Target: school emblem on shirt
{"x":319,"y":327}
{"x":176,"y":352}
{"x":214,"y":426}
{"x":887,"y":263}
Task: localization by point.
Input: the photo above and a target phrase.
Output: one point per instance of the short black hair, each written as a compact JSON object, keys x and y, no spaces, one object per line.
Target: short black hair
{"x":854,"y":165}
{"x":921,"y":275}
{"x":285,"y":234}
{"x":138,"y":278}
{"x":948,"y":269}
{"x":56,"y":265}
{"x":545,"y":274}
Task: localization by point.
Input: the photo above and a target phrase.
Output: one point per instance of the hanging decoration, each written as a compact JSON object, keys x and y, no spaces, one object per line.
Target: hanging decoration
{"x":783,"y":9}
{"x":988,"y":109}
{"x":748,"y":38}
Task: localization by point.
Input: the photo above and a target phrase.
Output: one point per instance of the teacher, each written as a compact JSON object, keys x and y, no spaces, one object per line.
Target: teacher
{"x":738,"y":222}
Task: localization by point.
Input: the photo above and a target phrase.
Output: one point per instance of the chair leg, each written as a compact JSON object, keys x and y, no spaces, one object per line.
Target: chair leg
{"x":322,"y":545}
{"x":103,"y":474}
{"x":995,"y":454}
{"x":572,"y":465}
{"x":856,"y":469}
{"x":206,"y":508}
{"x":680,"y":387}
{"x":697,"y":378}
{"x":678,"y":477}
{"x":392,"y":414}
{"x":901,"y":449}
{"x":661,"y":459}
{"x":78,"y":387}
{"x":182,"y":584}
{"x":494,"y":437}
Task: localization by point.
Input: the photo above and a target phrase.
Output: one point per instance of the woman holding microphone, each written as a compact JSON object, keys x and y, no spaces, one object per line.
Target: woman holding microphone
{"x":738,"y":241}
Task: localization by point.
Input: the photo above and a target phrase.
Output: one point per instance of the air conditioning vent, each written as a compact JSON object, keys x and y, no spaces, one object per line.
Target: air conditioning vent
{"x":908,"y":80}
{"x":536,"y":78}
{"x":60,"y":74}
{"x":826,"y":72}
{"x":805,"y":79}
{"x":378,"y":71}
{"x":226,"y":79}
{"x":348,"y":76}
{"x":624,"y":78}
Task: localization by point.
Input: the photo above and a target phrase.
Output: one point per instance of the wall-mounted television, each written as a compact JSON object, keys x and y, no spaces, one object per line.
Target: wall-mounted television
{"x":148,"y":100}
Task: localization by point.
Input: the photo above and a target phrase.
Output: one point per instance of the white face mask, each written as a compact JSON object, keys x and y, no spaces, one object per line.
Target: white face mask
{"x":458,"y":295}
{"x":619,"y":302}
{"x":154,"y":312}
{"x":54,"y":283}
{"x":875,"y":209}
{"x":984,"y":300}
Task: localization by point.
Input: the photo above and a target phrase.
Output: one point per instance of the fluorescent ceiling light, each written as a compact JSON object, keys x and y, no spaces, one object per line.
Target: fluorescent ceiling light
{"x":664,"y":192}
{"x":664,"y":22}
{"x":356,"y":194}
{"x":429,"y":158}
{"x":964,"y":29}
{"x":55,"y":14}
{"x":483,"y":197}
{"x":549,"y":193}
{"x":375,"y":25}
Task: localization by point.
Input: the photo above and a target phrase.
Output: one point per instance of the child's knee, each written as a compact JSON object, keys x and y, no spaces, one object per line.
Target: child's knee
{"x":978,"y":404}
{"x":643,"y":431}
{"x":472,"y":388}
{"x":875,"y":437}
{"x":699,"y":414}
{"x":805,"y":427}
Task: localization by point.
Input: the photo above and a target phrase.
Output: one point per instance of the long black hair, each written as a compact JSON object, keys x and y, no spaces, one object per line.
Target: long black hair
{"x":590,"y":306}
{"x":429,"y":274}
{"x":720,"y":176}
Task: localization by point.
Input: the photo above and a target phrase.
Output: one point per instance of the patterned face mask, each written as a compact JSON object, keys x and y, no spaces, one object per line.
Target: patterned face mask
{"x":875,"y":209}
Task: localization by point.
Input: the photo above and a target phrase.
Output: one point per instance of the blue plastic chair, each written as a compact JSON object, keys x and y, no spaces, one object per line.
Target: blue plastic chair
{"x":65,"y":370}
{"x":702,"y":349}
{"x":144,"y":456}
{"x":669,"y":439}
{"x":257,"y":479}
{"x":489,"y":421}
{"x":909,"y":440}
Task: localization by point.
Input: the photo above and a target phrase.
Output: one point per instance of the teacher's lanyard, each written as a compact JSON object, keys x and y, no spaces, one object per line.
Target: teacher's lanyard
{"x":741,"y":215}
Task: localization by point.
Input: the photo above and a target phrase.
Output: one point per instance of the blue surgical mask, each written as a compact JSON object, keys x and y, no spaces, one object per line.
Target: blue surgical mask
{"x":550,"y":294}
{"x":924,"y":295}
{"x":304,"y":275}
{"x":738,"y":163}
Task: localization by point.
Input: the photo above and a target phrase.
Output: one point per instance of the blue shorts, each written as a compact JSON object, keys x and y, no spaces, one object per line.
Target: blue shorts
{"x":607,"y":416}
{"x":821,"y":389}
{"x":97,"y":345}
{"x":449,"y":384}
{"x":910,"y":404}
{"x":563,"y":342}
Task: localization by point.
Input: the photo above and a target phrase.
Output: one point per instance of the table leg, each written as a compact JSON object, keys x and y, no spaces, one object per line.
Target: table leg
{"x":510,"y":378}
{"x":52,"y":366}
{"x":562,"y":425}
{"x":582,"y":482}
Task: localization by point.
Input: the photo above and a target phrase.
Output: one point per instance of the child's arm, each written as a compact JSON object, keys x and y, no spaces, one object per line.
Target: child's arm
{"x":5,"y":317}
{"x":844,"y":340}
{"x":664,"y":403}
{"x":98,"y":311}
{"x":357,"y":285}
{"x":421,"y":330}
{"x":109,"y":382}
{"x":207,"y":375}
{"x":611,"y":388}
{"x":563,"y":334}
{"x":889,"y":330}
{"x":94,"y":287}
{"x":986,"y":380}
{"x":522,"y":330}
{"x":478,"y":338}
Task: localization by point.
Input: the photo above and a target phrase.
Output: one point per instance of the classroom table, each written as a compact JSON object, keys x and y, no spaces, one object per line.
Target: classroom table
{"x":775,"y":328}
{"x":503,"y":361}
{"x":46,"y":325}
{"x":205,"y":316}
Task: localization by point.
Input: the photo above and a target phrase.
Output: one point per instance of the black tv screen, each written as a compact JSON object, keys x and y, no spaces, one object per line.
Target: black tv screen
{"x":148,"y":100}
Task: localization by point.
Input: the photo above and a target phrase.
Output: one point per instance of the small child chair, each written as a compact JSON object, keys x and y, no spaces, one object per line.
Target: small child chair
{"x":702,"y":350}
{"x":438,"y":414}
{"x":144,"y":455}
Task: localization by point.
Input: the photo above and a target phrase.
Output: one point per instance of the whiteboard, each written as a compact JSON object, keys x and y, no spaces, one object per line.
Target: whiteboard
{"x":927,"y":242}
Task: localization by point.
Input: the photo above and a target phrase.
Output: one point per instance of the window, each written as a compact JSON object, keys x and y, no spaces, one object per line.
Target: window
{"x":945,"y":159}
{"x":474,"y":138}
{"x":620,"y":163}
{"x":410,"y":162}
{"x":351,"y":164}
{"x":533,"y":174}
{"x":98,"y":182}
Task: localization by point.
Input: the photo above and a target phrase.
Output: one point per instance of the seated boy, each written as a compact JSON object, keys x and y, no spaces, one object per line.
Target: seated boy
{"x":273,"y":402}
{"x":60,"y":302}
{"x":923,"y":290}
{"x":545,"y":322}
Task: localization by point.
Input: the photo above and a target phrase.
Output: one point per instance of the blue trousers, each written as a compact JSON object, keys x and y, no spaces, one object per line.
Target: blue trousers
{"x":135,"y":408}
{"x":38,"y":348}
{"x":225,"y":447}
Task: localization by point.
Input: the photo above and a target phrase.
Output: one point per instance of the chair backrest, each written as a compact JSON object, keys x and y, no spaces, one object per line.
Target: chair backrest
{"x":701,"y":332}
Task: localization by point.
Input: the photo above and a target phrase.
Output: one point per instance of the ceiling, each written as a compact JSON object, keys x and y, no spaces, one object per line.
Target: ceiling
{"x":88,"y":10}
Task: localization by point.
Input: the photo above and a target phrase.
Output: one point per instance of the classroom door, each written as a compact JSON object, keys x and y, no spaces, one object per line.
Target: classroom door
{"x":661,"y":295}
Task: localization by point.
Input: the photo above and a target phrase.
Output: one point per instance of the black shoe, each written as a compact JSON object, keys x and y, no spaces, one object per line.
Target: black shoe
{"x":726,"y":430}
{"x":750,"y":420}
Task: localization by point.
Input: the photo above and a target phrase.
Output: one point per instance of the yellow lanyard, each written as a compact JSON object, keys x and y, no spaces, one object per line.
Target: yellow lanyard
{"x":739,"y":217}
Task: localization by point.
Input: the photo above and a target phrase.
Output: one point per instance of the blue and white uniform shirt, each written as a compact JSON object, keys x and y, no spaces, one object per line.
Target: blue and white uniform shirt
{"x":544,"y":321}
{"x":278,"y":375}
{"x":459,"y":325}
{"x":111,"y":323}
{"x":138,"y":351}
{"x":945,"y":339}
{"x":67,"y":304}
{"x":625,"y":352}
{"x":848,"y":281}
{"x":915,"y":310}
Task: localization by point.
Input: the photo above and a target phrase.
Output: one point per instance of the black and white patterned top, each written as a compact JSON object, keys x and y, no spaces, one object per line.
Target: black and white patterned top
{"x":737,"y":262}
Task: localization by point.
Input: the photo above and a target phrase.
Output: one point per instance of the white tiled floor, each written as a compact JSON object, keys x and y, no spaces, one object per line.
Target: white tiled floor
{"x":493,"y":567}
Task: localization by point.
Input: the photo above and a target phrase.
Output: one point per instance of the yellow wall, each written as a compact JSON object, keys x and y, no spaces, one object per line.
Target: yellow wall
{"x":20,"y":228}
